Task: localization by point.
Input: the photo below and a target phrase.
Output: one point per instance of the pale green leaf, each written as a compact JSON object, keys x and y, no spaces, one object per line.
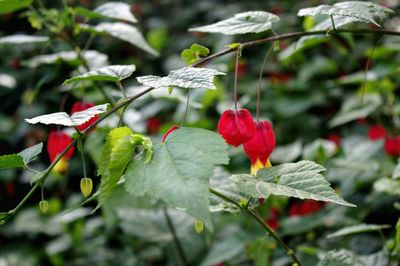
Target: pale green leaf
{"x":7,"y":81}
{"x":11,"y":161}
{"x":115,"y":156}
{"x":194,"y":53}
{"x":300,"y":180}
{"x":187,"y":77}
{"x":354,"y":109}
{"x":396,"y":172}
{"x":22,"y":39}
{"x":357,"y":229}
{"x":388,"y":185}
{"x":359,"y":10}
{"x":109,"y":73}
{"x":62,"y":118}
{"x":287,"y":153}
{"x":319,"y":149}
{"x":113,"y":10}
{"x":246,"y":22}
{"x":123,"y":31}
{"x":180,"y":170}
{"x":8,"y":6}
{"x":30,"y":154}
{"x":340,"y":257}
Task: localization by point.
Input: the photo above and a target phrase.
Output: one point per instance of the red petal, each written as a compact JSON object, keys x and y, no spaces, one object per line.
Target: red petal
{"x":82,"y":106}
{"x":173,"y":128}
{"x":262,"y":144}
{"x":56,"y":143}
{"x":376,"y":132}
{"x":392,"y":146}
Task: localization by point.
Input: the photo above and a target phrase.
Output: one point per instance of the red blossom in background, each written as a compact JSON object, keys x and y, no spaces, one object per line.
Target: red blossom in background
{"x":153,"y":125}
{"x":305,"y":207}
{"x":82,"y":106}
{"x":334,"y":138}
{"x":392,"y":146}
{"x":273,"y":219}
{"x":56,"y":144}
{"x":236,"y":126}
{"x":260,"y":147}
{"x":376,"y":132}
{"x":173,"y":128}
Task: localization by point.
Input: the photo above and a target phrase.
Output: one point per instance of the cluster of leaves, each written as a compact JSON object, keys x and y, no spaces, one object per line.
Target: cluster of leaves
{"x":147,"y":187}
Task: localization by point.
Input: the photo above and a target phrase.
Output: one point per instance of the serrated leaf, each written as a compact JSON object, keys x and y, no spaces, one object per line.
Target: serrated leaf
{"x":194,"y":53}
{"x":340,"y":257}
{"x":30,"y":154}
{"x":300,"y":180}
{"x":180,"y":170}
{"x":62,"y":118}
{"x":8,"y":6}
{"x":356,"y":229}
{"x":115,"y":156}
{"x":359,"y":10}
{"x":246,"y":22}
{"x":187,"y":77}
{"x":113,"y":10}
{"x":22,"y":39}
{"x":353,"y":109}
{"x":109,"y":73}
{"x":122,"y":31}
{"x":11,"y":161}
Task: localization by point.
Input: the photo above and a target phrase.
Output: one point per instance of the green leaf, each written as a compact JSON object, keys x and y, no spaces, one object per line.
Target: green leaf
{"x":187,"y":77}
{"x":340,"y":257}
{"x":180,"y":170}
{"x":319,"y":149}
{"x":194,"y":54}
{"x":62,"y":118}
{"x":115,"y":156}
{"x":300,"y":180}
{"x":22,"y":39}
{"x":7,"y":81}
{"x":8,"y":6}
{"x":113,"y":10}
{"x":396,"y":172}
{"x":122,"y":31}
{"x":287,"y":153}
{"x":246,"y":22}
{"x":356,"y":229}
{"x":30,"y":154}
{"x":109,"y":73}
{"x":388,"y":185}
{"x":353,"y":109}
{"x":11,"y":161}
{"x":358,"y":10}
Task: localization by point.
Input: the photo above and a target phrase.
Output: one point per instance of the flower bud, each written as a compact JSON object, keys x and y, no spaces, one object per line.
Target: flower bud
{"x":44,"y":206}
{"x":199,"y":226}
{"x":236,"y":126}
{"x":82,"y":106}
{"x":86,"y":186}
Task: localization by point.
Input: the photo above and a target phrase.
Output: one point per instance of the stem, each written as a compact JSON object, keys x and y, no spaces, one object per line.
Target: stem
{"x":260,"y":220}
{"x":186,"y":108}
{"x":238,"y":51}
{"x":333,"y":23}
{"x":121,"y":118}
{"x":121,"y":88}
{"x":366,"y":69}
{"x":80,"y":145}
{"x":259,"y":81}
{"x":178,"y":245}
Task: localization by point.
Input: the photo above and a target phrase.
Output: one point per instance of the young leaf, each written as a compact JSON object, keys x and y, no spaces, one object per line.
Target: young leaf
{"x":359,"y":10}
{"x":115,"y":156}
{"x":30,"y":154}
{"x":194,"y":54}
{"x":187,"y":77}
{"x":62,"y":118}
{"x":340,"y":257}
{"x":8,"y":6}
{"x":22,"y":39}
{"x":108,"y":73}
{"x":356,"y":229}
{"x":11,"y":161}
{"x":246,"y":22}
{"x":300,"y":180}
{"x":122,"y":31}
{"x":113,"y":10}
{"x":180,"y":170}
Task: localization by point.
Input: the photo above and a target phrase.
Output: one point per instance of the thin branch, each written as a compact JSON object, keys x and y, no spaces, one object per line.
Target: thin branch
{"x":259,"y":81}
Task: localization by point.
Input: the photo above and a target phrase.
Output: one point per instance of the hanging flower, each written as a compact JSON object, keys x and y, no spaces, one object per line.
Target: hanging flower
{"x":236,"y":126}
{"x":273,"y":218}
{"x":376,"y":132}
{"x":173,"y":128}
{"x":82,"y":106}
{"x":305,"y":207}
{"x":392,"y":146}
{"x":335,"y":138}
{"x":56,"y":144}
{"x":260,"y":147}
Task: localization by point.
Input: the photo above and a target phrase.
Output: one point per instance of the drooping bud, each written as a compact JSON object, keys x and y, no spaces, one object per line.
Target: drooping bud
{"x":56,"y":144}
{"x":199,"y":226}
{"x":260,"y":147}
{"x":43,"y":206}
{"x":86,"y":186}
{"x":82,"y":106}
{"x":173,"y":128}
{"x":236,"y":126}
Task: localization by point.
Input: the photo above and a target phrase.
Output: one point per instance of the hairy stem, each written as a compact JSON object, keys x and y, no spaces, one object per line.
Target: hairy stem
{"x":259,"y":81}
{"x":236,"y":77}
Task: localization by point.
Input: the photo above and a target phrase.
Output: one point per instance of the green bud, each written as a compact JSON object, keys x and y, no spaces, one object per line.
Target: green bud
{"x":44,"y":206}
{"x":199,"y":226}
{"x":86,"y":186}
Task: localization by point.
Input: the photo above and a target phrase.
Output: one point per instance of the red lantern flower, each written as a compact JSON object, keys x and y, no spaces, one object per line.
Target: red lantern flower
{"x":56,"y":144}
{"x":376,"y":132}
{"x":260,"y":147}
{"x":273,"y":219}
{"x":82,"y":106}
{"x":153,"y":125}
{"x":173,"y":128}
{"x":392,"y":146}
{"x":236,"y":126}
{"x":335,"y":138}
{"x":305,"y":207}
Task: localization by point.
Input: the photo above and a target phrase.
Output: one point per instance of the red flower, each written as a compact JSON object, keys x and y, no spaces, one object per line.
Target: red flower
{"x":260,"y":147}
{"x":273,"y":219}
{"x":392,"y":146}
{"x":153,"y":125}
{"x":236,"y":126}
{"x":56,"y":143}
{"x":173,"y":128}
{"x":376,"y":132}
{"x":82,"y":106}
{"x":305,"y":207}
{"x":334,"y":138}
